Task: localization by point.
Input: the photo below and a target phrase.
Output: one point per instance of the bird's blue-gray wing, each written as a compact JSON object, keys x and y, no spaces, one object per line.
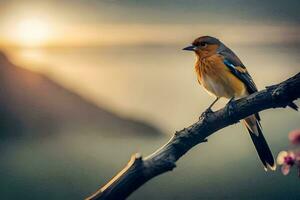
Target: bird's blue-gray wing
{"x":238,"y":69}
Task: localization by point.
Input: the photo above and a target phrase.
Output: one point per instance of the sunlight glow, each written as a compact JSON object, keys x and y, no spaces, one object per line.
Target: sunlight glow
{"x":32,"y":32}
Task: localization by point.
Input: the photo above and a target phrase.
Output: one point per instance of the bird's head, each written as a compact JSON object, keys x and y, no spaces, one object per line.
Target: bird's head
{"x":204,"y":46}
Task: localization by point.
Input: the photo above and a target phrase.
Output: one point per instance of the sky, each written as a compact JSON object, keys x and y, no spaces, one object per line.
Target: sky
{"x":117,"y":22}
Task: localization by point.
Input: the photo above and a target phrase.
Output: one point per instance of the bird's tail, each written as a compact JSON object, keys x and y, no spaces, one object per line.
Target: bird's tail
{"x":254,"y":128}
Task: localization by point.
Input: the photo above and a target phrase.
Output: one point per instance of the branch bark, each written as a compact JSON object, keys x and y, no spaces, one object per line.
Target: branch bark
{"x":139,"y":170}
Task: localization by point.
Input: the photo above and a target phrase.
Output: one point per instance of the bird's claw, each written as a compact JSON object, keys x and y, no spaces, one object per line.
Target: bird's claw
{"x":206,"y":113}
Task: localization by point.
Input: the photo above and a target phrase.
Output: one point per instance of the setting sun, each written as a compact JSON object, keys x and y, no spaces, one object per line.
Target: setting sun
{"x":32,"y":32}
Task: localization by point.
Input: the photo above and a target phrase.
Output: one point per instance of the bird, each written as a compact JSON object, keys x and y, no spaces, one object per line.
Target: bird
{"x":223,"y":75}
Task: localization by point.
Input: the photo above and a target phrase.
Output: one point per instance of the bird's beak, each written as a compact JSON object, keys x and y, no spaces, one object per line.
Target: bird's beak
{"x":190,"y":48}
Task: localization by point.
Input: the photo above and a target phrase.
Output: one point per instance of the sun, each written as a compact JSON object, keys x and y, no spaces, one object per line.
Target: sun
{"x":32,"y":32}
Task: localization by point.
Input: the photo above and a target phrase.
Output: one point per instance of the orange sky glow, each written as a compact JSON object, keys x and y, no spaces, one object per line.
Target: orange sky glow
{"x":34,"y":25}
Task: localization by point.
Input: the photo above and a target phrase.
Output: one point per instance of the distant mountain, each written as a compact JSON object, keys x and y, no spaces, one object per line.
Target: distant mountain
{"x":33,"y":105}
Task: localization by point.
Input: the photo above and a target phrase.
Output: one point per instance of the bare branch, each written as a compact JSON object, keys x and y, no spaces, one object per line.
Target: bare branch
{"x":139,"y":170}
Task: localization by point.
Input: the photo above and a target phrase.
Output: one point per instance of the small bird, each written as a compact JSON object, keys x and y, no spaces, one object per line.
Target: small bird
{"x":222,"y":74}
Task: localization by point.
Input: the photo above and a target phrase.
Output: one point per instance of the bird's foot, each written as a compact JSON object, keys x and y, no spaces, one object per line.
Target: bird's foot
{"x":205,"y":113}
{"x":231,"y":106}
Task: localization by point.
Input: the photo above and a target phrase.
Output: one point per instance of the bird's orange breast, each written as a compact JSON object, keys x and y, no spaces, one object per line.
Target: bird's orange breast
{"x":217,"y":79}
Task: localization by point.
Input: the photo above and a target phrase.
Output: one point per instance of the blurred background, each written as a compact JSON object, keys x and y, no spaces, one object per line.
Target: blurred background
{"x":84,"y":84}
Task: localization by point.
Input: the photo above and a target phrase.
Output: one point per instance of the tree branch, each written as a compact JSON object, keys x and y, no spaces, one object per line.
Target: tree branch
{"x":139,"y":170}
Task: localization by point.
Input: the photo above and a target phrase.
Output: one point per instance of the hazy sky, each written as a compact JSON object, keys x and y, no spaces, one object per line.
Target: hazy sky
{"x":135,"y":21}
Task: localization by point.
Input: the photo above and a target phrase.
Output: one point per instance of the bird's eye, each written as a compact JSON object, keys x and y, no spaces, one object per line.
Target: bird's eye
{"x":203,"y":44}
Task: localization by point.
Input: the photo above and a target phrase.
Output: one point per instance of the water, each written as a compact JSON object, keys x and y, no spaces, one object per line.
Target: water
{"x":157,"y":84}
